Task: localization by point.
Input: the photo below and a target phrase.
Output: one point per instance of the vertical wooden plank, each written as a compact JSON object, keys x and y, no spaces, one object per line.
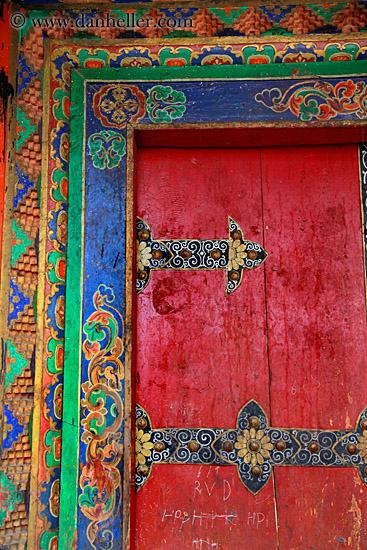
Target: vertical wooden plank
{"x":97,"y":333}
{"x":8,"y":74}
{"x":128,"y":519}
{"x":5,"y":95}
{"x":37,"y":477}
{"x":73,"y":324}
{"x":317,"y":330}
{"x":201,"y":355}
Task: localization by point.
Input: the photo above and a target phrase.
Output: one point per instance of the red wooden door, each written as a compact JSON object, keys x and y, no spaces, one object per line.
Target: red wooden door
{"x":292,"y":336}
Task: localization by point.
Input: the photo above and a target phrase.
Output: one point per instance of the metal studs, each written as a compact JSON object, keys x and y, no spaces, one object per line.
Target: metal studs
{"x":256,"y":471}
{"x":142,"y":275}
{"x":193,"y":446}
{"x":159,"y":446}
{"x":185,"y":253}
{"x":254,"y":446}
{"x":141,"y":423}
{"x":143,"y":470}
{"x":157,"y":254}
{"x":313,"y":447}
{"x":234,"y":275}
{"x":143,"y":234}
{"x":215,"y":254}
{"x":364,"y":424}
{"x":253,"y":422}
{"x":252,"y":254}
{"x":280,"y":445}
{"x":236,"y":234}
{"x":227,"y":445}
{"x":351,"y":448}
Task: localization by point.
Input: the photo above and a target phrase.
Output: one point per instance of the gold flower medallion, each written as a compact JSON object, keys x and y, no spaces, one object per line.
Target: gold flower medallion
{"x":144,"y":254}
{"x":362,"y":446}
{"x":143,"y":447}
{"x":236,"y":254}
{"x":254,"y":446}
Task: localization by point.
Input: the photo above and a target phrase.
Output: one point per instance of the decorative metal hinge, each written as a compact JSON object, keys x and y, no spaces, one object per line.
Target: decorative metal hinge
{"x":253,"y":447}
{"x":234,"y":255}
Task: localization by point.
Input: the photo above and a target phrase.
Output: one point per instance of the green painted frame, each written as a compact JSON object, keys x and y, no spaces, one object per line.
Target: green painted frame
{"x":71,"y":416}
{"x":75,"y":274}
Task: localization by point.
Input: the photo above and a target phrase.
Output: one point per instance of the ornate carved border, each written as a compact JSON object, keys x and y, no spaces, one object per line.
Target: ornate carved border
{"x":92,"y":492}
{"x":44,"y":509}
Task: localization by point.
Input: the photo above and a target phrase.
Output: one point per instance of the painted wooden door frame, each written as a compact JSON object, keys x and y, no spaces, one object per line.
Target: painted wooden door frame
{"x":157,"y":99}
{"x":60,"y":57}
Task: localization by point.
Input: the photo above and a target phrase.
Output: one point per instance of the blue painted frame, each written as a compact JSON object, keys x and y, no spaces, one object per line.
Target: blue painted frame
{"x":106,"y":106}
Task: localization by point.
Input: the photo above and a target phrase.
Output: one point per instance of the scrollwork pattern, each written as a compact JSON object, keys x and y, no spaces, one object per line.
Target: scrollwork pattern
{"x":165,"y":104}
{"x":232,"y":255}
{"x":164,"y":443}
{"x":318,"y":99}
{"x":254,"y":447}
{"x":107,"y":149}
{"x":102,"y":413}
{"x":200,"y":254}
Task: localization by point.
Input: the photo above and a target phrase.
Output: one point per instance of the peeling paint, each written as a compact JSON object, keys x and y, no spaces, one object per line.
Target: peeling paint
{"x":348,"y":424}
{"x":355,"y":537}
{"x":358,"y":483}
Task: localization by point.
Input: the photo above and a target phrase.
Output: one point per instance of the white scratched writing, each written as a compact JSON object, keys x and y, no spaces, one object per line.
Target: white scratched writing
{"x":257,"y":519}
{"x":203,"y":544}
{"x":210,"y":470}
{"x":207,"y":488}
{"x":180,"y":517}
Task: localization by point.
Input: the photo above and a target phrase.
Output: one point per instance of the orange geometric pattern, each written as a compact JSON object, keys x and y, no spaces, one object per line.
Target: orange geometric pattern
{"x":252,"y":22}
{"x":31,"y":101}
{"x":29,"y":157}
{"x":303,"y":21}
{"x":13,"y":532}
{"x":16,"y":464}
{"x":206,"y":24}
{"x":353,"y":18}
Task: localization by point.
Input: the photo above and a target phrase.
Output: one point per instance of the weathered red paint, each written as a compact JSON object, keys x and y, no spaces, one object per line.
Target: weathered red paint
{"x":317,"y":331}
{"x":201,"y":355}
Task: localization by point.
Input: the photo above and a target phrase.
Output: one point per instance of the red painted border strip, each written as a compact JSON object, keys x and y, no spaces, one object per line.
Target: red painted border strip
{"x":5,"y":32}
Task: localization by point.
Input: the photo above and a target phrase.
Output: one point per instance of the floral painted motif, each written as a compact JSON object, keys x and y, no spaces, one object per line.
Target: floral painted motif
{"x":144,"y":255}
{"x":254,"y":446}
{"x":165,"y":104}
{"x":102,"y":413}
{"x":242,"y":255}
{"x":107,"y":149}
{"x":143,"y":446}
{"x":117,"y":104}
{"x":236,"y":254}
{"x":362,"y":446}
{"x":317,"y":99}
